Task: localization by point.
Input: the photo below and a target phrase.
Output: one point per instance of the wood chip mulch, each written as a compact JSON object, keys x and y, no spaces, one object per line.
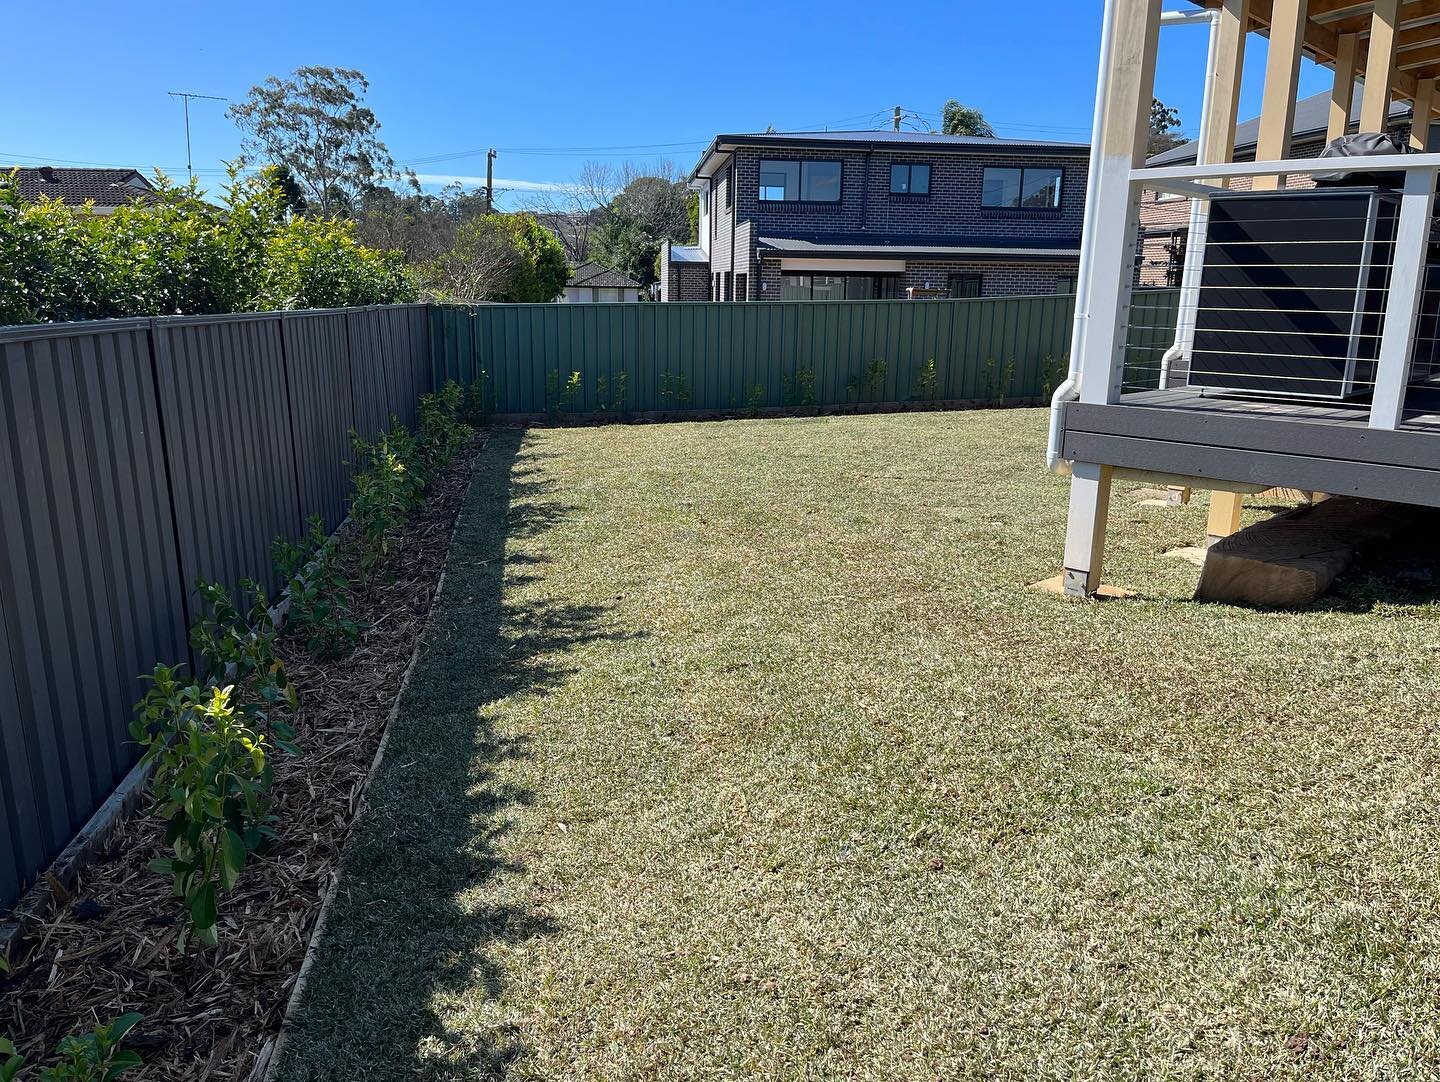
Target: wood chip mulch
{"x":110,"y":946}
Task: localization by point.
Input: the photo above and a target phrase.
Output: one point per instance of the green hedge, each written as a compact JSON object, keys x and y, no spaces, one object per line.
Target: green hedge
{"x":172,"y":253}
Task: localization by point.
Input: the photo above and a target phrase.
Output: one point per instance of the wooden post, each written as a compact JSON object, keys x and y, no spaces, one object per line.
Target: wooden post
{"x":1380,"y":66}
{"x":1342,"y":95}
{"x":1282,"y":74}
{"x":1225,"y":508}
{"x":1127,"y":89}
{"x":1421,"y":115}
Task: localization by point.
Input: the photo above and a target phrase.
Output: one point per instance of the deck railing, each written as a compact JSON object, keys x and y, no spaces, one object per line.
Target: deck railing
{"x":1103,"y":361}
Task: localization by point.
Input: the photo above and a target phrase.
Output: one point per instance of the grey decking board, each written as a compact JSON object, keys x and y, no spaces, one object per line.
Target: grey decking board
{"x":1337,"y":476}
{"x":1256,"y":432}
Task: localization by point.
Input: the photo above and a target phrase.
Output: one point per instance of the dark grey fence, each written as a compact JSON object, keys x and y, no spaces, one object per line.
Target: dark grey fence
{"x":136,"y":456}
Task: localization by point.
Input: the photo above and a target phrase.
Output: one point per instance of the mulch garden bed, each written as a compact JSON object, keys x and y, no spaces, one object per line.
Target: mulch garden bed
{"x":109,"y":947}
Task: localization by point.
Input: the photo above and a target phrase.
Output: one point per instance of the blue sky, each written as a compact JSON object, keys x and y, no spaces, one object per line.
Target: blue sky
{"x":556,"y":84}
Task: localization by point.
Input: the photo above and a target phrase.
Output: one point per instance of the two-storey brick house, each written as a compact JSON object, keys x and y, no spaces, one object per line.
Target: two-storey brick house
{"x":862,"y":215}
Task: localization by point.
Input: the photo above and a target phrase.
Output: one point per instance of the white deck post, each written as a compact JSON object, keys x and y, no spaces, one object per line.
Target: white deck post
{"x":1085,"y":528}
{"x":1127,"y":89}
{"x":1402,"y":305}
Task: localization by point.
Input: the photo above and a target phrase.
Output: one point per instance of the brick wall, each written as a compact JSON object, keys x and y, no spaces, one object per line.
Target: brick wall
{"x":683,"y":281}
{"x":952,"y":208}
{"x":996,"y":279}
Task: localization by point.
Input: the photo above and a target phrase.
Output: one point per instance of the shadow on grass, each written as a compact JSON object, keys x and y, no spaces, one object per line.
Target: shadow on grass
{"x":406,"y":983}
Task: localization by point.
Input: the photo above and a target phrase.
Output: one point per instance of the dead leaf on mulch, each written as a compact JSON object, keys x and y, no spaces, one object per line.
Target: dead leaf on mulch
{"x":110,"y":948}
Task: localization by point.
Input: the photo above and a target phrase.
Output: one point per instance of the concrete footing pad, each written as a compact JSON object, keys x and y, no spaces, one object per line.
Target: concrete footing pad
{"x":1056,"y":585}
{"x":1289,"y":561}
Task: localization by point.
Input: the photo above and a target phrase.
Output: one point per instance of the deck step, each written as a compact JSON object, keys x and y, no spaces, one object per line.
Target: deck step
{"x":1289,"y":561}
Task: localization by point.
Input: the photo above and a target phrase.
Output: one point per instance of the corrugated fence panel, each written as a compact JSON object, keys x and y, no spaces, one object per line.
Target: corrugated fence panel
{"x":322,"y":410}
{"x":136,"y":456}
{"x":675,"y":357}
{"x":232,"y":459}
{"x":90,"y":590}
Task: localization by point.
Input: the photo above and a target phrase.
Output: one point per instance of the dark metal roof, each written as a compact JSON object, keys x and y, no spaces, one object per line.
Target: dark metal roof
{"x":1312,"y":117}
{"x":899,"y":247}
{"x":593,"y":276}
{"x":890,"y":140}
{"x":108,"y":188}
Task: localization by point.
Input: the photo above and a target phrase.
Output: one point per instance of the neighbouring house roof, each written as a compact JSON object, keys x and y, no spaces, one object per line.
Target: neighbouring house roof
{"x":1312,"y":117}
{"x":593,"y":276}
{"x":107,"y":188}
{"x":903,"y":247}
{"x":688,"y":253}
{"x":721,"y":145}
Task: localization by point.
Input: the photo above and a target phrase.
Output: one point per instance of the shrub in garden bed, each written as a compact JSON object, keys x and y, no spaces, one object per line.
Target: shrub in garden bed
{"x":244,"y":838}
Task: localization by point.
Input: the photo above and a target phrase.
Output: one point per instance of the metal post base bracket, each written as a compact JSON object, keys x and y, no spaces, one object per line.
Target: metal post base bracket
{"x":1061,"y":585}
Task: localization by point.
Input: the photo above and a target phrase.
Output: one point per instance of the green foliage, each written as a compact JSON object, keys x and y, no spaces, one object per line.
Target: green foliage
{"x":995,"y":379}
{"x":561,"y":397}
{"x":441,"y":432}
{"x":868,"y":384}
{"x":317,"y":126}
{"x":675,"y":389}
{"x":92,"y":1057}
{"x":927,"y":381}
{"x":174,"y":253}
{"x":235,"y":646}
{"x":648,"y":211}
{"x":542,"y":271}
{"x":479,"y":397}
{"x":320,"y":605}
{"x":387,"y":488}
{"x":957,"y":119}
{"x":754,"y":399}
{"x":800,"y":390}
{"x":1053,"y":371}
{"x":610,"y":395}
{"x":211,"y":777}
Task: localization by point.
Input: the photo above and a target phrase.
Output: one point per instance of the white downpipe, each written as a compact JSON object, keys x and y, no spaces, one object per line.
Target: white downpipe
{"x":1069,"y":390}
{"x":1199,"y":209}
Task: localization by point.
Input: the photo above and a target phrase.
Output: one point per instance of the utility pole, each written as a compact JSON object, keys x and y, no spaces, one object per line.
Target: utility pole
{"x":490,"y":181}
{"x":185,"y":96}
{"x":897,"y":118}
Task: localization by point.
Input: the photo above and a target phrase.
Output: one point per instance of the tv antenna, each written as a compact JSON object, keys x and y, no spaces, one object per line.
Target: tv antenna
{"x":185,"y":96}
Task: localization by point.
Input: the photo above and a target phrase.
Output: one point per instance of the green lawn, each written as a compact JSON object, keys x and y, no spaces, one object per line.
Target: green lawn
{"x":740,"y":750}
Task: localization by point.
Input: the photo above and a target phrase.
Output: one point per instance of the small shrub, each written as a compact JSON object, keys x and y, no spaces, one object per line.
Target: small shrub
{"x":754,"y":400}
{"x":610,"y":395}
{"x":869,"y":384}
{"x":236,"y":647}
{"x":320,"y":609}
{"x":562,"y":397}
{"x":675,"y":389}
{"x":93,"y":1057}
{"x":441,"y":431}
{"x":996,"y":379}
{"x":211,"y":778}
{"x":385,"y":491}
{"x":480,"y":398}
{"x":799,"y":390}
{"x":1053,"y":371}
{"x":927,"y":381}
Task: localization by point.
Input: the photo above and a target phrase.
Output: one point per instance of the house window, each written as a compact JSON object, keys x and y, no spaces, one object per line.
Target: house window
{"x":608,"y":295}
{"x":837,"y":287}
{"x":909,"y":179}
{"x":1031,"y":188}
{"x":742,"y":287}
{"x":1065,"y":284}
{"x":965,"y":285}
{"x":730,"y":186}
{"x":799,"y":182}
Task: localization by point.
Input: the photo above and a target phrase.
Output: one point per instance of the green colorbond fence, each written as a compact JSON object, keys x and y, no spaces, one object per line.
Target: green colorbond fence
{"x":706,"y":357}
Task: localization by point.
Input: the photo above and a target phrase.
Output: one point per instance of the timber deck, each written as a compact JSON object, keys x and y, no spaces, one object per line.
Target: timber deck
{"x":1327,"y":447}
